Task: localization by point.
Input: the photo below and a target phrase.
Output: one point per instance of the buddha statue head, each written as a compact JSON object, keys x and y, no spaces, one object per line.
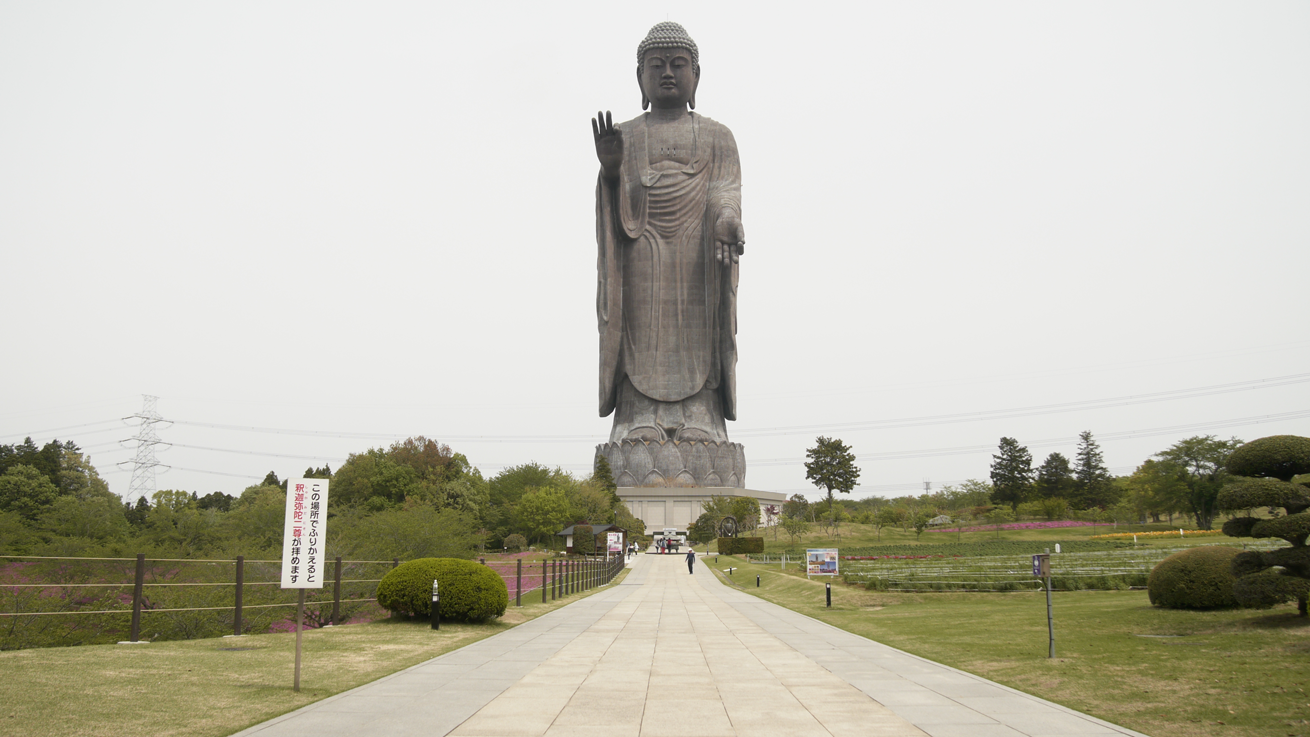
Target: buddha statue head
{"x":668,"y":68}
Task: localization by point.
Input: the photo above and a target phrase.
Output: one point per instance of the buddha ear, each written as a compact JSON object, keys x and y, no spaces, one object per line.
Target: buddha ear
{"x":692,"y":102}
{"x":645,"y":101}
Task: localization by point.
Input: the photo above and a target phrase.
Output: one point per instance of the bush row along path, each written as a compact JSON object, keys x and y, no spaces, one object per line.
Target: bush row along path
{"x":664,"y":653}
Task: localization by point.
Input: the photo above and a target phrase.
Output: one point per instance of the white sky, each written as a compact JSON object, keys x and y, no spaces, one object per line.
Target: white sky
{"x":377,"y":219}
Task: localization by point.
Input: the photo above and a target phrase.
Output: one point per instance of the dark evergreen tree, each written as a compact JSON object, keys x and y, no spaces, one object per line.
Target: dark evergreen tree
{"x":1093,"y":486}
{"x":1054,"y":478}
{"x":1012,"y":474}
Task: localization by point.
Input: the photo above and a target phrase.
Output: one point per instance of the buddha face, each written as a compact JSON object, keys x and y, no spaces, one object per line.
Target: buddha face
{"x":668,"y":78}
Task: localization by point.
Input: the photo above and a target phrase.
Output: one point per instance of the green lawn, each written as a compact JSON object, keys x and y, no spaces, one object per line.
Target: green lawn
{"x":214,"y":687}
{"x":1165,"y":673}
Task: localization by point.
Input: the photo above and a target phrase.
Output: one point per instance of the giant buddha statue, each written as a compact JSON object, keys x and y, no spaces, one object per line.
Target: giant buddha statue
{"x":669,"y":233}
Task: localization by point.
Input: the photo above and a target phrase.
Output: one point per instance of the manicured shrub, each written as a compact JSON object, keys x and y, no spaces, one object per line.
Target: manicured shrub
{"x":740,"y":545}
{"x":1268,"y":465}
{"x":470,"y":592}
{"x":584,"y":540}
{"x":516,"y":542}
{"x":1199,"y":578}
{"x":1277,"y":456}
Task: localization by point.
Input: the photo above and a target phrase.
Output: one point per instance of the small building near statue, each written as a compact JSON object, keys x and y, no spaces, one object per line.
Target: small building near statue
{"x":597,"y":530}
{"x":679,"y":506}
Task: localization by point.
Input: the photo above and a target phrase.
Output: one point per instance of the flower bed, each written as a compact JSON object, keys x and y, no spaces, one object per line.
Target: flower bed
{"x":1024,"y":526}
{"x":1165,"y":533}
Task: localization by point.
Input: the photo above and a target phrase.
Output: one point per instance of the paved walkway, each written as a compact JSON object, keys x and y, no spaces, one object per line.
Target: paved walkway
{"x":671,"y":655}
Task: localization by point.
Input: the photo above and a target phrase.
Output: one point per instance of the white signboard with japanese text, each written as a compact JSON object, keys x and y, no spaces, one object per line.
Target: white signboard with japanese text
{"x":303,"y":534}
{"x":615,"y":542}
{"x":821,"y":562}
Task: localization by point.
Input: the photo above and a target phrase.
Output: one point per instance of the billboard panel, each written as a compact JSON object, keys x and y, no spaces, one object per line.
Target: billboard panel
{"x":303,"y":534}
{"x":821,"y":561}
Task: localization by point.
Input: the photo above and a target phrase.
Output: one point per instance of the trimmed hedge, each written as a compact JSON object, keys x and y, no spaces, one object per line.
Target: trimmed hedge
{"x":470,"y":592}
{"x":1270,"y":588}
{"x":584,"y":540}
{"x":1277,"y":456}
{"x":1199,"y":578}
{"x":740,"y":545}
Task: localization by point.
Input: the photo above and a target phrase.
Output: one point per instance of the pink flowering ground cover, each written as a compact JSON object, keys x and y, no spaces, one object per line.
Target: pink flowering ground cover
{"x":1024,"y":526}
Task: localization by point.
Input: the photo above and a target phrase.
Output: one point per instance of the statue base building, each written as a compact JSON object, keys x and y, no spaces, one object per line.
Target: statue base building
{"x":676,"y":463}
{"x":678,"y":507}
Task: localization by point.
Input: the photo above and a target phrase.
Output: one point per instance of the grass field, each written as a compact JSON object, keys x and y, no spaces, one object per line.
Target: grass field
{"x":213,"y":687}
{"x":1165,"y":673}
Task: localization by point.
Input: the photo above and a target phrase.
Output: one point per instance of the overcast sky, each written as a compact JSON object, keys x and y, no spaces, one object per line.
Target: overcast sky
{"x":376,"y":220}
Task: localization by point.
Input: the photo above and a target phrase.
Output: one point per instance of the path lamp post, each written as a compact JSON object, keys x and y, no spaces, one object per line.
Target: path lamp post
{"x":827,"y":590}
{"x":436,"y":606}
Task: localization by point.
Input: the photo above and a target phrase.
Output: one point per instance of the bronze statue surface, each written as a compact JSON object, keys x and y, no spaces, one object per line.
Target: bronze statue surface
{"x":669,"y":237}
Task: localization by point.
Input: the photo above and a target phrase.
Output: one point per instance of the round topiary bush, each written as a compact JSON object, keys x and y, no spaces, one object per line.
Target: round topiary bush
{"x":470,"y":592}
{"x":1199,"y":578}
{"x":1277,"y":456}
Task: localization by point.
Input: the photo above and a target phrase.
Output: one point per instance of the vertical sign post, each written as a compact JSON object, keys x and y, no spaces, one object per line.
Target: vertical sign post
{"x":1042,"y":569}
{"x":302,"y":546}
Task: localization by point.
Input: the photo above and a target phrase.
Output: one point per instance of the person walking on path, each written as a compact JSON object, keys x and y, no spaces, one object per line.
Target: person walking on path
{"x":691,"y":559}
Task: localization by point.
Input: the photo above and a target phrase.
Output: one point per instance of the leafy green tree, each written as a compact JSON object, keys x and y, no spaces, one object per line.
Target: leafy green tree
{"x":540,"y":513}
{"x":318,"y":473}
{"x":371,"y":480}
{"x":26,"y":491}
{"x":747,"y":512}
{"x":1054,"y":478}
{"x":256,"y":520}
{"x":796,"y":507}
{"x":216,"y":500}
{"x":417,"y":530}
{"x":1156,"y":489}
{"x":1199,"y":463}
{"x":971,"y":493}
{"x":1093,"y":486}
{"x":48,"y":460}
{"x":831,"y":466}
{"x":15,"y":535}
{"x":1012,"y":474}
{"x":590,"y":502}
{"x":272,"y":480}
{"x":920,"y":523}
{"x":704,"y":529}
{"x":795,"y":527}
{"x":626,"y":520}
{"x":999,"y":516}
{"x":99,"y":518}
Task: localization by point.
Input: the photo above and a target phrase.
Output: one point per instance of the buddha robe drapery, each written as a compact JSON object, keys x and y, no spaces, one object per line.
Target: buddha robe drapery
{"x":666,"y":309}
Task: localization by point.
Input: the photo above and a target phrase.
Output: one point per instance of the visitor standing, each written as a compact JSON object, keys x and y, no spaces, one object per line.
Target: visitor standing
{"x":691,"y":559}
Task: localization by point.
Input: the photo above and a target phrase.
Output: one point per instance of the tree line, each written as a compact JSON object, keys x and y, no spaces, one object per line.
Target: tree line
{"x":415,"y":498}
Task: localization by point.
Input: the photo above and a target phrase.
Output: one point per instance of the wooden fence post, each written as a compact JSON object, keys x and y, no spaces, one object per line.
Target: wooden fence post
{"x":136,"y":596}
{"x":241,"y":580}
{"x":544,"y":563}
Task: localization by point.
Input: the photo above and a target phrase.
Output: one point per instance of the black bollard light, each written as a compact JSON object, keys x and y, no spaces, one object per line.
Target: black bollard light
{"x":828,"y":591}
{"x":436,"y":606}
{"x":757,"y":582}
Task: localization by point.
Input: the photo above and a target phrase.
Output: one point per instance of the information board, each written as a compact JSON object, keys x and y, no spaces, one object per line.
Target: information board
{"x":303,"y":534}
{"x":614,"y":542}
{"x":821,"y":562}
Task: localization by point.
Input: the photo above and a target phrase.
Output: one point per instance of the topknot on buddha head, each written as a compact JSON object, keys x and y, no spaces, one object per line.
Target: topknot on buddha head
{"x":668,"y":35}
